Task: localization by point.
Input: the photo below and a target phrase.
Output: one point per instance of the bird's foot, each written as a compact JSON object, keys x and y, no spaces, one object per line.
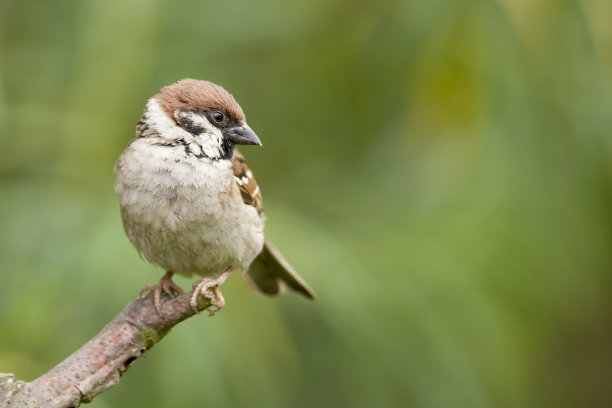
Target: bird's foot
{"x":166,"y":285}
{"x":209,"y":288}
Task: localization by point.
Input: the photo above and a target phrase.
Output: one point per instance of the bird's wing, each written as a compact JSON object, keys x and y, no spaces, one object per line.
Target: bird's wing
{"x":249,"y":190}
{"x":270,"y":273}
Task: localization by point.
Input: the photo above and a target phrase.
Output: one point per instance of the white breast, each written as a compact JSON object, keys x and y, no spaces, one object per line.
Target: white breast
{"x":184,"y":213}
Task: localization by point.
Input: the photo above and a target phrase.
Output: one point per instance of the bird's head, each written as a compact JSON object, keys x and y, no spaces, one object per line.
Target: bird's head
{"x":202,"y":115}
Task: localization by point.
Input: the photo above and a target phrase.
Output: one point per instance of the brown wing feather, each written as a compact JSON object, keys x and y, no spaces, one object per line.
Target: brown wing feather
{"x":246,"y":183}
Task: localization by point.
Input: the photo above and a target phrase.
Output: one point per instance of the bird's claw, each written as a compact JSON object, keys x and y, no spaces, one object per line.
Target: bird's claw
{"x":166,"y":285}
{"x":209,"y":288}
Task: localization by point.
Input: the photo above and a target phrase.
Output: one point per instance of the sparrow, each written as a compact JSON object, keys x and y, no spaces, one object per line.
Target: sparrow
{"x":189,"y":202}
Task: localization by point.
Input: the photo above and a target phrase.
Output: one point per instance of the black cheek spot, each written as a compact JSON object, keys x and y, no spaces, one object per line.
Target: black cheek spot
{"x":190,"y":126}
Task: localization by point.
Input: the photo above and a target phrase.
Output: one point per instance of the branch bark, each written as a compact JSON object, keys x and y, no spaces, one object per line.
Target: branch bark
{"x":99,"y":364}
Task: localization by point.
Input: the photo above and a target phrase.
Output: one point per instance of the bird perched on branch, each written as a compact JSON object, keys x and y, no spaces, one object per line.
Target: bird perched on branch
{"x":190,"y":203}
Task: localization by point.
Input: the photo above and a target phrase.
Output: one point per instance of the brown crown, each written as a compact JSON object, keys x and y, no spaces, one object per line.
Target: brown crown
{"x":192,"y":94}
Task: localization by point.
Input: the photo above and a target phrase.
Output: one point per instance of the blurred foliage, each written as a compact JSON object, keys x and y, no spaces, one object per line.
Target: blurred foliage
{"x":439,"y":171}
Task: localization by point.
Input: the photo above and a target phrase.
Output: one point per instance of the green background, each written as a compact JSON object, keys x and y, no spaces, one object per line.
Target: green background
{"x":439,"y":171}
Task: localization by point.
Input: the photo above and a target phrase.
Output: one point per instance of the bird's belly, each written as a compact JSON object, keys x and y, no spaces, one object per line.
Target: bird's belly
{"x":191,"y":224}
{"x":206,"y":245}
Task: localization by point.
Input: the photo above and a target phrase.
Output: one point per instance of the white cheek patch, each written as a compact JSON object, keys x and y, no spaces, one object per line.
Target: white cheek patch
{"x":195,"y":148}
{"x":211,"y":139}
{"x":166,"y":128}
{"x":209,"y":142}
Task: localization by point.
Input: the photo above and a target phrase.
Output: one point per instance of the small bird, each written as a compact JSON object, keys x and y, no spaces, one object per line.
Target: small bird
{"x":190,"y":203}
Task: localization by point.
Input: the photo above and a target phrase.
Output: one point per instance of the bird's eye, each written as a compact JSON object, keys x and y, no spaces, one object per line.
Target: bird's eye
{"x":218,"y":116}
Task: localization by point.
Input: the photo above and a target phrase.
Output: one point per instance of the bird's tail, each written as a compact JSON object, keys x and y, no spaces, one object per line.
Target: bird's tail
{"x":270,"y":273}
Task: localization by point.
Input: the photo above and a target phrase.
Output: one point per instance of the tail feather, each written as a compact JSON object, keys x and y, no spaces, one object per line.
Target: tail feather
{"x":270,"y":273}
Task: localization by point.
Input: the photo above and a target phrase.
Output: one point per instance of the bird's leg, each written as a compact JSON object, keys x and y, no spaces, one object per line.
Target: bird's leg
{"x":209,"y":288}
{"x":165,"y":284}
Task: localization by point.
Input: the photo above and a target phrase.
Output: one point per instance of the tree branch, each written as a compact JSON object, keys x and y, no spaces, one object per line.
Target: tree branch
{"x":99,"y":364}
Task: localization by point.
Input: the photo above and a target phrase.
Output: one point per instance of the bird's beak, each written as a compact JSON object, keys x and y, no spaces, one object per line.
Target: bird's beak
{"x":243,"y":135}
